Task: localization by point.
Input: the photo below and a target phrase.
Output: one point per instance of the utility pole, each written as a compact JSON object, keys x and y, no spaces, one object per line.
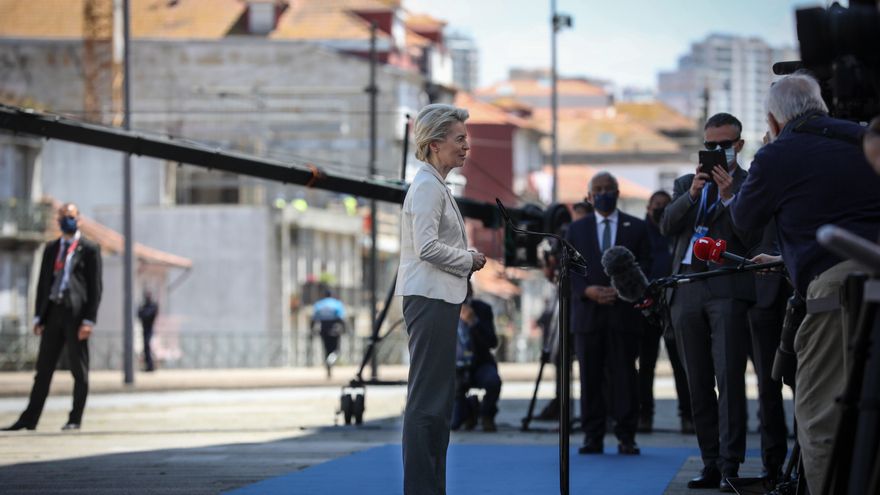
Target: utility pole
{"x":558,"y":21}
{"x":128,"y":256}
{"x":373,"y":91}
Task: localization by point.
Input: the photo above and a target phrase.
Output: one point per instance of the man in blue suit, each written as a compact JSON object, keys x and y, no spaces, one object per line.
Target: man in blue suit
{"x":606,"y":329}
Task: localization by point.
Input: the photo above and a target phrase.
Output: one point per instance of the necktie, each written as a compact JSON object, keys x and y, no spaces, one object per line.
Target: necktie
{"x":55,"y":293}
{"x":711,"y":194}
{"x":606,"y":235}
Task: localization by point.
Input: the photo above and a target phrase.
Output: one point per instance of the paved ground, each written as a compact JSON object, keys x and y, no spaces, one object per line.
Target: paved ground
{"x":211,"y":431}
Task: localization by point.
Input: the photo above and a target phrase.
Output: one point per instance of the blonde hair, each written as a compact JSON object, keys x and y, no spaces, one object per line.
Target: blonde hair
{"x":432,"y":124}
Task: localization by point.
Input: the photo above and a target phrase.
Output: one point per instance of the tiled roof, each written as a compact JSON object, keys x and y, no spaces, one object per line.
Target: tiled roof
{"x":424,"y":22}
{"x":656,"y":115}
{"x":485,"y":113}
{"x":200,"y":19}
{"x":328,"y":19}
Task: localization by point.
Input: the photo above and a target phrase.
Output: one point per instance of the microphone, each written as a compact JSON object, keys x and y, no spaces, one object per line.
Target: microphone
{"x":848,"y":245}
{"x":708,"y":249}
{"x":626,"y":275}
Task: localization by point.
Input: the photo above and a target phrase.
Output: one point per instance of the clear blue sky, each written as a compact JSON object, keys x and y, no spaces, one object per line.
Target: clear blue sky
{"x":625,"y":41}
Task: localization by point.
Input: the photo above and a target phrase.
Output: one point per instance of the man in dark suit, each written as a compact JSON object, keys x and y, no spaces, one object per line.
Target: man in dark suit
{"x":606,"y":329}
{"x":68,"y":294}
{"x":709,"y":316}
{"x":765,"y":323}
{"x":649,"y":345}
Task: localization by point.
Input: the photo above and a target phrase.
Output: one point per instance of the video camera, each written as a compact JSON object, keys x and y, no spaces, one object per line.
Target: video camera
{"x":839,"y":46}
{"x":523,"y":250}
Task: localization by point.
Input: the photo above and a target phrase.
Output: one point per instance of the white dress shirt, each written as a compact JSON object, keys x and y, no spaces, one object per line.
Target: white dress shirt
{"x":600,"y":228}
{"x":434,"y":260}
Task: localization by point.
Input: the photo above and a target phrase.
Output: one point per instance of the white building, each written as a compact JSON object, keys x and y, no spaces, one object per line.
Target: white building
{"x":465,"y":61}
{"x":729,"y":73}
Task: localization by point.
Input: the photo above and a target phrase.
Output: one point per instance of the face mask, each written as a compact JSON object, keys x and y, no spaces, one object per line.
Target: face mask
{"x":730,"y":154}
{"x":67,"y":225}
{"x":657,"y":214}
{"x":605,"y":202}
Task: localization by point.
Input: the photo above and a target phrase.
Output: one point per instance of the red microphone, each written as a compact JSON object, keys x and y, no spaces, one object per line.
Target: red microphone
{"x":708,"y":249}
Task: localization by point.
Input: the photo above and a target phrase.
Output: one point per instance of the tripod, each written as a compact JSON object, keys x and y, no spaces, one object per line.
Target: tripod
{"x":570,"y":259}
{"x":549,"y":353}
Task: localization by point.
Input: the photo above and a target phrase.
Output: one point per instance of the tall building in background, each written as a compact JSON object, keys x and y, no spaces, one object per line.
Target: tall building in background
{"x":465,"y":61}
{"x":725,"y":73}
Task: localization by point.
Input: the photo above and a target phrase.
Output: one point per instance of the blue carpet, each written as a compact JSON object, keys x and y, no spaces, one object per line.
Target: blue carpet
{"x":486,"y":469}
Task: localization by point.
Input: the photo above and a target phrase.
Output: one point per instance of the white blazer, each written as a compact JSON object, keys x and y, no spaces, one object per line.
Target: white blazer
{"x":434,"y":260}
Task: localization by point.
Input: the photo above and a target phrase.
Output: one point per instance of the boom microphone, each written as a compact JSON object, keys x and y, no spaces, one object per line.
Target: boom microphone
{"x":708,"y":249}
{"x":626,"y":276}
{"x":848,"y":245}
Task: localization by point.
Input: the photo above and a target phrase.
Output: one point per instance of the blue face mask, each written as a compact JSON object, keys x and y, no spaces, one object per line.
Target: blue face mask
{"x":730,"y":154}
{"x":68,"y":225}
{"x":605,"y":202}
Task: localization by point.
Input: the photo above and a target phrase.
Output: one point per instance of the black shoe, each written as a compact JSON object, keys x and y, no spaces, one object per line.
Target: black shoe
{"x":628,"y":448}
{"x":771,"y":475}
{"x":20,"y":425}
{"x":488,"y":424}
{"x":591,"y":447}
{"x":70,"y":426}
{"x":646,"y":425}
{"x":725,"y":487}
{"x":687,"y":426}
{"x":709,"y":478}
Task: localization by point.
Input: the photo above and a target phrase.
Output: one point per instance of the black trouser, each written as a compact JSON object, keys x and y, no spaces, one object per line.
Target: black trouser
{"x":649,"y":349}
{"x":766,"y":327}
{"x":60,"y":328}
{"x":711,"y":334}
{"x":484,"y":376}
{"x":148,"y":353}
{"x":331,"y":344}
{"x":612,"y":349}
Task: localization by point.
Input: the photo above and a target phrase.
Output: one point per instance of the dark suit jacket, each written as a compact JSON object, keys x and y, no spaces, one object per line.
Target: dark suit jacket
{"x":632,"y":233}
{"x":84,"y":286}
{"x":678,"y":222}
{"x":771,"y":286}
{"x":483,"y":336}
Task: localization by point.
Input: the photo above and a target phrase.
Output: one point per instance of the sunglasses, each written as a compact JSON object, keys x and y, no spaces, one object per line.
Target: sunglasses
{"x":726,"y":144}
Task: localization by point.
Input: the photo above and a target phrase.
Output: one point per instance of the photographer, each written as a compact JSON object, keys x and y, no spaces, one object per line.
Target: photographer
{"x":812,"y":173}
{"x":709,"y":316}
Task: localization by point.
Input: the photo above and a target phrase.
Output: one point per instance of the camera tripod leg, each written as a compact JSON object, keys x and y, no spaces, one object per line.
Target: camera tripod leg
{"x":530,"y":414}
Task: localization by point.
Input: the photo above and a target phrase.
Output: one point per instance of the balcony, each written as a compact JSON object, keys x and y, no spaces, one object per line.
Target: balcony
{"x":23,"y":223}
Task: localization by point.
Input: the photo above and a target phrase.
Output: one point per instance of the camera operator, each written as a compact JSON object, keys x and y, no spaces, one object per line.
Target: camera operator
{"x":813,"y":172}
{"x":649,"y":347}
{"x":709,"y":316}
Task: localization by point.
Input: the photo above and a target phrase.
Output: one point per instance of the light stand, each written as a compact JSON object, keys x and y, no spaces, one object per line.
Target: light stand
{"x":569,"y":259}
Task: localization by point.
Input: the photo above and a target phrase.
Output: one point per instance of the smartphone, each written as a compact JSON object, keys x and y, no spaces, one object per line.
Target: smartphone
{"x":708,"y":160}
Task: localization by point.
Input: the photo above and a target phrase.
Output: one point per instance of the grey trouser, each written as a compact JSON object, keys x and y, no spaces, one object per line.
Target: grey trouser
{"x":712,"y":335}
{"x":431,"y":325}
{"x":820,"y":345}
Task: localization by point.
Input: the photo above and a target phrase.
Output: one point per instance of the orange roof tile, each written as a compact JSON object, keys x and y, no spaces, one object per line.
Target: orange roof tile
{"x":485,"y":113}
{"x":656,"y":115}
{"x":328,"y":19}
{"x":149,"y":18}
{"x":424,"y":22}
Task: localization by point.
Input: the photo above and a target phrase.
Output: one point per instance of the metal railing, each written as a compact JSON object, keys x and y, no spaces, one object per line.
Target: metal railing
{"x":22,"y":217}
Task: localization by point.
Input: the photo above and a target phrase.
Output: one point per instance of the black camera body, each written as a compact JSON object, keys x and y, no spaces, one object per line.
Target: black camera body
{"x":841,"y":48}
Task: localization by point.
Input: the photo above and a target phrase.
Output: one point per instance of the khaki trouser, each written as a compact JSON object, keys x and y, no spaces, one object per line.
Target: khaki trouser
{"x":821,"y":347}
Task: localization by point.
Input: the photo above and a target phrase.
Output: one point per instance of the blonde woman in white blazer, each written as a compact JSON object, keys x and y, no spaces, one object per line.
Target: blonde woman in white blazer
{"x":434,"y":268}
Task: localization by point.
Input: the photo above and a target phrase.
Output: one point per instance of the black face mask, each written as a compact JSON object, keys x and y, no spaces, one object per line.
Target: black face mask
{"x":657,"y":214}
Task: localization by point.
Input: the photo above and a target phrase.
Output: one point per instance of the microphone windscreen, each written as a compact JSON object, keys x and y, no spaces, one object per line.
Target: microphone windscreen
{"x":626,"y":276}
{"x":703,"y":248}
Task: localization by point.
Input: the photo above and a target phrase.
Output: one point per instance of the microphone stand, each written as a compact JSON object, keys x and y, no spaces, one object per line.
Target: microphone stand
{"x":675,"y":280}
{"x":570,"y":258}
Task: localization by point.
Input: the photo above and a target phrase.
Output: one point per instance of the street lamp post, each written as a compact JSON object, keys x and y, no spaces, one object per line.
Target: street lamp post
{"x":558,"y":21}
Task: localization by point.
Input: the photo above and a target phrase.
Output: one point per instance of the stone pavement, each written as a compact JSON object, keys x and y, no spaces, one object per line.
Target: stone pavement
{"x":208,"y":431}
